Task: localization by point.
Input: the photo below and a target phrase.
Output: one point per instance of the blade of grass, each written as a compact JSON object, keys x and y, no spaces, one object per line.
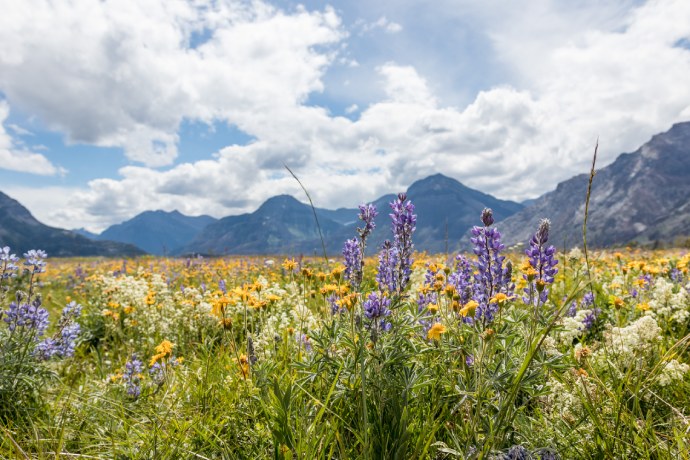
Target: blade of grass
{"x":311,"y":203}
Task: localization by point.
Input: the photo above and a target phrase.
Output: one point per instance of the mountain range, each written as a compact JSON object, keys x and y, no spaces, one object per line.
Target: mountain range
{"x":283,"y":225}
{"x":21,"y":231}
{"x":643,"y":197}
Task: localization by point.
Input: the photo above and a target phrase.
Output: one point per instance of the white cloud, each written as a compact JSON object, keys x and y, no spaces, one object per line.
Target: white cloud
{"x":382,"y":23}
{"x":15,"y":157}
{"x":619,"y":79}
{"x":126,"y":73}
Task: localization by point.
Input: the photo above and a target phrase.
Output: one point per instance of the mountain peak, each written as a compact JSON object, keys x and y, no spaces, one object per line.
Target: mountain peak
{"x":635,"y":198}
{"x":435,"y":182}
{"x":21,"y":231}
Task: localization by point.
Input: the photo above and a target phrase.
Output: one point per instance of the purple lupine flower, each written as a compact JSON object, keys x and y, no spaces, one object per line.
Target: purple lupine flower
{"x":424,"y":300}
{"x":29,"y":316}
{"x":587,"y":300}
{"x":45,"y":349}
{"x":223,"y":288}
{"x":491,"y":277}
{"x":462,"y":278}
{"x":63,"y":342}
{"x":388,"y":264}
{"x":157,"y":373}
{"x":352,"y":251}
{"x":8,"y":263}
{"x":333,"y":302}
{"x":132,"y":376}
{"x":591,"y":318}
{"x":487,"y":217}
{"x":572,"y":310}
{"x":426,"y":325}
{"x":676,"y":275}
{"x":68,"y":340}
{"x":304,"y":340}
{"x":367,"y":214}
{"x":404,"y":223}
{"x":469,"y":360}
{"x":376,"y":306}
{"x":542,"y":259}
{"x":35,"y":258}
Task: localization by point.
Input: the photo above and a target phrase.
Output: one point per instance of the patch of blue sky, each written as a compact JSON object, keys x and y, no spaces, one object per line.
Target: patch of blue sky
{"x":199,"y":141}
{"x":683,"y":43}
{"x":199,"y":37}
{"x":82,"y":162}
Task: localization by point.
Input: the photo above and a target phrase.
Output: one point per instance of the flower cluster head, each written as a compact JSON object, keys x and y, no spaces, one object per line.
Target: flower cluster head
{"x":461,"y":278}
{"x":367,"y":214}
{"x":376,"y":306}
{"x":8,"y":263}
{"x":404,"y":224}
{"x":132,"y":376}
{"x":542,"y":263}
{"x":26,"y":316}
{"x":491,"y":277}
{"x":63,"y":342}
{"x":352,"y":251}
{"x":389,"y":262}
{"x":35,"y":258}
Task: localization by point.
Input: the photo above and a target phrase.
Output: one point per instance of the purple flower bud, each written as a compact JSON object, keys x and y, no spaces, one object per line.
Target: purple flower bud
{"x":367,"y":214}
{"x":487,"y":217}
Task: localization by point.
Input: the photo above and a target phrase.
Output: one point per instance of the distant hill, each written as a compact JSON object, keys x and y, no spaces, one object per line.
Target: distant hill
{"x":21,"y":231}
{"x":446,"y":210}
{"x":84,"y":232}
{"x":284,"y":225}
{"x":642,"y":197}
{"x":157,"y":232}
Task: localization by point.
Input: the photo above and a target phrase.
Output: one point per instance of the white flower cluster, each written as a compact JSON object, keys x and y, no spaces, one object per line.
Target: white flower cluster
{"x":417,"y":278}
{"x":125,"y":290}
{"x":151,"y":310}
{"x":667,"y":304}
{"x":626,"y":344}
{"x":672,"y":371}
{"x":572,"y":327}
{"x":575,"y":253}
{"x":565,"y":399}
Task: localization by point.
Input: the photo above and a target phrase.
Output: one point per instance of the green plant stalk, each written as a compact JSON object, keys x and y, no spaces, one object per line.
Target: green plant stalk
{"x":592,"y":173}
{"x":534,"y":347}
{"x":313,"y":209}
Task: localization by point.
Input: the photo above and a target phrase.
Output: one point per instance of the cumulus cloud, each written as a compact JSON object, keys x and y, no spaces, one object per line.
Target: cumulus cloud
{"x":622,"y":80}
{"x":15,"y":157}
{"x":126,"y":73}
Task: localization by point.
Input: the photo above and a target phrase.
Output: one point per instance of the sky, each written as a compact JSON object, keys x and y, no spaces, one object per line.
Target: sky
{"x":109,"y":108}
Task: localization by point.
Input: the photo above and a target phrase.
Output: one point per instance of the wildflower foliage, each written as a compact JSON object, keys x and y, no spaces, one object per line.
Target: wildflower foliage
{"x":385,"y":353}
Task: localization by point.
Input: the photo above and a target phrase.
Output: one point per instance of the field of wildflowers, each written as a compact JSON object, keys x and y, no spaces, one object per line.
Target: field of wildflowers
{"x":497,"y":354}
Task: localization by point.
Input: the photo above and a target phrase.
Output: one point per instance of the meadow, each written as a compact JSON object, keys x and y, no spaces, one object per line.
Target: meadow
{"x":504,"y":354}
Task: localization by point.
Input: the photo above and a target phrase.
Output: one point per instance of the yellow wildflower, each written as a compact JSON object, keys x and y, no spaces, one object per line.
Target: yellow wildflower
{"x":500,"y":298}
{"x":617,"y":302}
{"x":436,"y":331}
{"x":163,"y":350}
{"x":289,"y":264}
{"x":469,"y":308}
